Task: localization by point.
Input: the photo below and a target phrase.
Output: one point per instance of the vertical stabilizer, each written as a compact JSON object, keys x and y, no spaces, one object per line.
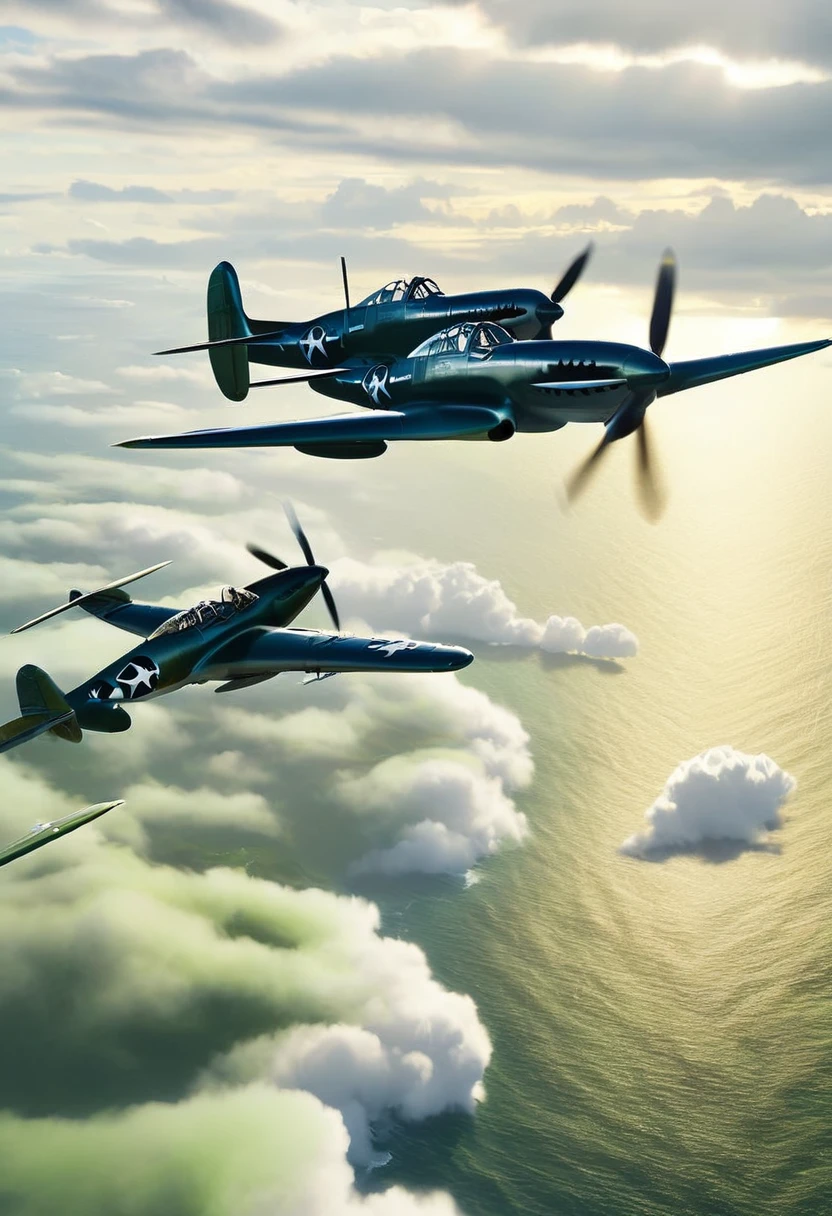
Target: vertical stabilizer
{"x":43,"y":708}
{"x":226,"y":319}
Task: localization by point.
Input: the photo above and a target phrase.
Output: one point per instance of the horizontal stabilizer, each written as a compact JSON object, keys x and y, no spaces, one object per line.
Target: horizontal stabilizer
{"x":21,"y":730}
{"x":426,"y":422}
{"x":43,"y":708}
{"x":246,"y":340}
{"x":690,"y":373}
{"x":303,"y":377}
{"x":79,"y":599}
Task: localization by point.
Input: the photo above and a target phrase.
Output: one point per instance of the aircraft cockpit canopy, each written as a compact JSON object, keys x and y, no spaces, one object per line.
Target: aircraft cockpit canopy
{"x":403,"y":289}
{"x":477,"y":340}
{"x":207,"y":612}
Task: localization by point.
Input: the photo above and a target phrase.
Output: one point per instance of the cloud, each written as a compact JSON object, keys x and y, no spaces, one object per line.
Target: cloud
{"x":171,"y":982}
{"x":441,"y":799}
{"x":447,"y":105}
{"x":720,"y":795}
{"x":231,"y":23}
{"x":95,"y":192}
{"x":356,"y":202}
{"x":455,"y":601}
{"x":153,"y":803}
{"x":747,"y":29}
{"x":457,"y":816}
{"x":246,"y":1152}
{"x":24,"y":385}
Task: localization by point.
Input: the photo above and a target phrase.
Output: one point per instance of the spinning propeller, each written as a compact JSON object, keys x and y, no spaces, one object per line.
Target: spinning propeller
{"x":276,"y":564}
{"x":631,"y":414}
{"x":569,"y":278}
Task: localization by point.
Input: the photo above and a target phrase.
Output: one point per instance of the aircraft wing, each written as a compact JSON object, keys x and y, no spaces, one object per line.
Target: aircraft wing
{"x":263,"y":652}
{"x":690,"y":373}
{"x":324,"y":436}
{"x":118,"y":609}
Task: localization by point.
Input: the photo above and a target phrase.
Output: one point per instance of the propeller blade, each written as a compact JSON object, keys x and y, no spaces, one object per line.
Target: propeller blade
{"x":330,"y":603}
{"x":651,"y":494}
{"x":306,"y":548}
{"x":346,"y":281}
{"x":571,"y":276}
{"x":267,"y":558}
{"x":79,"y":599}
{"x":581,"y":477}
{"x":300,"y":535}
{"x":663,"y":303}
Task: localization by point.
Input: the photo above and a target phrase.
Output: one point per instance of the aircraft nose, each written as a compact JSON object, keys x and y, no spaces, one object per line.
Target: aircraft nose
{"x":644,"y":369}
{"x":313,"y":576}
{"x":458,"y":658}
{"x":549,"y":312}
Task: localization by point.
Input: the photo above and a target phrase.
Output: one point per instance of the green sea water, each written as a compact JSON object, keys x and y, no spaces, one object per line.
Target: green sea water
{"x":662,"y":1031}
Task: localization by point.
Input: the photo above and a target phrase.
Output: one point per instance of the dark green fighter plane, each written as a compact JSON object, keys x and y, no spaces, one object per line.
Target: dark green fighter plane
{"x":387,"y":323}
{"x":474,"y":381}
{"x":240,"y":640}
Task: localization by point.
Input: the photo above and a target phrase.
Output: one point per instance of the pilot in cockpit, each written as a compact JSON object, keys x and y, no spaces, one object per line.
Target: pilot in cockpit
{"x":238,"y":598}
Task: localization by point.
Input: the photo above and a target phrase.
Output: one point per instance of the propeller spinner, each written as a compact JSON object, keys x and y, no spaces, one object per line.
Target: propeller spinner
{"x":275,"y":563}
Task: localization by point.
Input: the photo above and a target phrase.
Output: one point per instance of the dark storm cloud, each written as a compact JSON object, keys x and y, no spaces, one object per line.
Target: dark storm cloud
{"x":680,"y":121}
{"x":744,"y":29}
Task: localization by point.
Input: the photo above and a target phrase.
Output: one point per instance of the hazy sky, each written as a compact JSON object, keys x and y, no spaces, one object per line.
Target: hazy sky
{"x":478,"y":143}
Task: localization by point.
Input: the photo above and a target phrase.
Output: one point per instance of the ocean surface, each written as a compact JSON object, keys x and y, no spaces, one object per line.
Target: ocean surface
{"x":662,"y":1030}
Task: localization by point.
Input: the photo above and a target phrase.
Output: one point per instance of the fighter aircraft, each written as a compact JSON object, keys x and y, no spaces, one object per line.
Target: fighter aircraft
{"x":241,"y":639}
{"x":45,"y":833}
{"x":387,"y":323}
{"x":474,"y":381}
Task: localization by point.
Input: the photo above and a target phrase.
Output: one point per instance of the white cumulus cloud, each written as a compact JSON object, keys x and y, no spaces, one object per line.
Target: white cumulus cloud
{"x":439,"y":800}
{"x":251,"y":1004}
{"x":428,"y":597}
{"x":720,"y":795}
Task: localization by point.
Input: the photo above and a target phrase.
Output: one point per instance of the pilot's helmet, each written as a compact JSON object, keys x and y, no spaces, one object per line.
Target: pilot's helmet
{"x":238,"y":599}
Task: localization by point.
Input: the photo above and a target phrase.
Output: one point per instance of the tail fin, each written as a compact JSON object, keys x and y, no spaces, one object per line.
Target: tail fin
{"x":226,"y":319}
{"x":44,"y":708}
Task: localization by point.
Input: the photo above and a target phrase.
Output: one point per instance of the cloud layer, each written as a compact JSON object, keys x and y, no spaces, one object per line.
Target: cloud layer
{"x":720,"y":795}
{"x":219,"y":992}
{"x":456,"y":601}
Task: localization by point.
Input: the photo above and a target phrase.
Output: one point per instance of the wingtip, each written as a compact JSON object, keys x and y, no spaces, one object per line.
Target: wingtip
{"x":140,"y":441}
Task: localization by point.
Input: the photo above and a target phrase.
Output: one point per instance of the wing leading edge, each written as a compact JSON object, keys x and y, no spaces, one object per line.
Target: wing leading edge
{"x":377,"y":426}
{"x":690,"y":373}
